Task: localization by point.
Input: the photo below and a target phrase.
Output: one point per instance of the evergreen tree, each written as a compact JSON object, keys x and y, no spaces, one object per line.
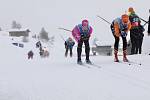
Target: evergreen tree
{"x":16,"y":25}
{"x":43,"y":34}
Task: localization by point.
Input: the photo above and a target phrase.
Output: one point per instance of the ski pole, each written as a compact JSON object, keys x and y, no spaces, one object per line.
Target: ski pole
{"x":144,"y":20}
{"x":64,"y":29}
{"x":103,"y":19}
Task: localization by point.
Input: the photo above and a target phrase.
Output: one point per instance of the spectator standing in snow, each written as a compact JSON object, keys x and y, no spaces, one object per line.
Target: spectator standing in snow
{"x":38,"y":44}
{"x":30,"y":54}
{"x":136,"y":31}
{"x":139,"y":40}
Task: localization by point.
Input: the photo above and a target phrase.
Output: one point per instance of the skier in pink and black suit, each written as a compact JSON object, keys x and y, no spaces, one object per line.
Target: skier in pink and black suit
{"x":82,"y":33}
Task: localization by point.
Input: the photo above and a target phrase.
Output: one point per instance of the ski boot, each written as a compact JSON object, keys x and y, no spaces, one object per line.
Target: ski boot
{"x":79,"y":62}
{"x":116,"y":56}
{"x":125,"y":56}
{"x":88,"y":62}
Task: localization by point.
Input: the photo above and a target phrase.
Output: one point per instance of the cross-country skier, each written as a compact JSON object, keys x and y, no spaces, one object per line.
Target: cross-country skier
{"x":69,"y":43}
{"x":82,"y":33}
{"x":120,"y":27}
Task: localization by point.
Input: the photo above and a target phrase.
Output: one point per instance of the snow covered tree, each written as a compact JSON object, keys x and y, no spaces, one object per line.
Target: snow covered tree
{"x":19,"y":26}
{"x":16,"y":25}
{"x":43,"y":34}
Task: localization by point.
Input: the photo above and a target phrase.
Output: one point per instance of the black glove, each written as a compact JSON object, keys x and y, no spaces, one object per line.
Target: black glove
{"x":85,"y":37}
{"x":123,"y":33}
{"x":124,"y":29}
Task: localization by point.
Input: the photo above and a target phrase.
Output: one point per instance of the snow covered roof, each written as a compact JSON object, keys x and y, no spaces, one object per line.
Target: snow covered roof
{"x":4,"y":33}
{"x":18,"y":30}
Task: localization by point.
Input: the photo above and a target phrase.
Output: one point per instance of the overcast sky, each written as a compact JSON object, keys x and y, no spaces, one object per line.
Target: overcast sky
{"x":35,"y":14}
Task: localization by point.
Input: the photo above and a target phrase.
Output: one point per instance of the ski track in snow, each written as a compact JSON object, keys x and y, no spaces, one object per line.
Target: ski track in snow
{"x":58,"y":77}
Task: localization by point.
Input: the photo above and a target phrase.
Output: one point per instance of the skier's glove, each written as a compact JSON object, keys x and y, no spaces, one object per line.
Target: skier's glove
{"x":85,"y":37}
{"x":125,"y":29}
{"x":123,"y":33}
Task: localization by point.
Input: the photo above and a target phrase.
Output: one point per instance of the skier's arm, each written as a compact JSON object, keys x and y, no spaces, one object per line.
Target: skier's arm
{"x":90,"y":32}
{"x":129,"y":27}
{"x":116,"y":28}
{"x":75,"y":34}
{"x":73,"y":43}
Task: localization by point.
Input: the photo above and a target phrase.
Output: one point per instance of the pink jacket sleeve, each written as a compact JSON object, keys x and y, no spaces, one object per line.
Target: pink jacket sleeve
{"x":91,"y":30}
{"x":76,"y":34}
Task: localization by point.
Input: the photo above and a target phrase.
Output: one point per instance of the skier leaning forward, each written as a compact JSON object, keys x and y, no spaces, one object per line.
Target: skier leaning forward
{"x":69,"y":43}
{"x":120,"y":27}
{"x":82,"y":33}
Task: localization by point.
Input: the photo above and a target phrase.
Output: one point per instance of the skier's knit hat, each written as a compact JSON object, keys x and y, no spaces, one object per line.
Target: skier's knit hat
{"x":125,"y":18}
{"x":131,"y":10}
{"x":85,"y":22}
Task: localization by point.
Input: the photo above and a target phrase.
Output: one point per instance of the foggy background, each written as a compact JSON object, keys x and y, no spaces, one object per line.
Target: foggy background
{"x":51,"y":14}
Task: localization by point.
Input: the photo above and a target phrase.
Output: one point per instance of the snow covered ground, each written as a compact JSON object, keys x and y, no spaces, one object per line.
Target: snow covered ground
{"x":60,"y":78}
